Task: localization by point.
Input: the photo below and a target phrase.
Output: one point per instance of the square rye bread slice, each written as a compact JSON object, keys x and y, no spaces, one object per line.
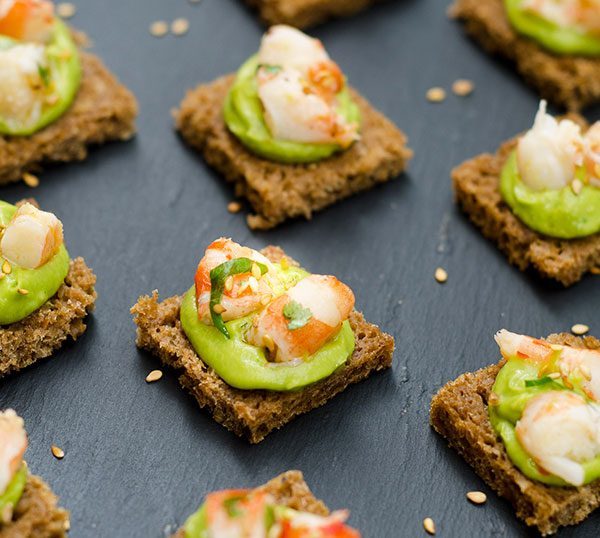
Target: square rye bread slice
{"x":459,"y":413}
{"x":37,"y":515}
{"x":477,"y":191}
{"x":252,"y":414}
{"x":103,"y":111}
{"x":288,"y":489}
{"x":572,"y":82}
{"x":277,"y":191}
{"x":305,"y":13}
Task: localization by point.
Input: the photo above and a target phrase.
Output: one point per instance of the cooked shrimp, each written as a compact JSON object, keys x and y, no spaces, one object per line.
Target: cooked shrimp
{"x":305,"y":525}
{"x":584,"y":14}
{"x":13,"y":443}
{"x":572,"y":363}
{"x":27,"y":20}
{"x":298,"y":86}
{"x":323,"y":301}
{"x":237,"y":513}
{"x":244,"y":293}
{"x":592,"y":153}
{"x":560,"y":431}
{"x":549,"y":153}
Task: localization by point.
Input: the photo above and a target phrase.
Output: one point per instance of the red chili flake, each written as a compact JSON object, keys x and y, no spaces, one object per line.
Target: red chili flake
{"x":522,"y":355}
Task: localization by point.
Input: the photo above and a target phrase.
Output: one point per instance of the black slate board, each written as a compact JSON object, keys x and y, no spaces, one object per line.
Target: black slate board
{"x":139,"y":457}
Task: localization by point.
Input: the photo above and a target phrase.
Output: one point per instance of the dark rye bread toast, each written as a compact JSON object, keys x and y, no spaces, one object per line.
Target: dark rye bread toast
{"x":277,"y":191}
{"x":252,"y":414}
{"x":459,"y":413}
{"x":569,"y":81}
{"x":45,"y":330}
{"x":477,"y":191}
{"x":37,"y":514}
{"x":288,"y":489}
{"x":103,"y":111}
{"x":305,"y":13}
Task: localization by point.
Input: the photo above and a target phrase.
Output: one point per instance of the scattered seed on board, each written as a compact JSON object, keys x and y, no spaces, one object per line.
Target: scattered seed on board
{"x":477,"y":497}
{"x":463,"y":87}
{"x":429,"y":525}
{"x":180,"y":26}
{"x":153,"y":376}
{"x":234,"y":207}
{"x":436,"y":95}
{"x":579,"y":329}
{"x":66,"y":10}
{"x":159,"y":28}
{"x":441,"y":275}
{"x":30,"y":180}
{"x":57,"y":452}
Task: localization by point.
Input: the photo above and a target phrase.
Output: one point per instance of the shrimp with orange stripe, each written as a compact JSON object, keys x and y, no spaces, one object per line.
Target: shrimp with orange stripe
{"x":13,"y":443}
{"x":27,"y":20}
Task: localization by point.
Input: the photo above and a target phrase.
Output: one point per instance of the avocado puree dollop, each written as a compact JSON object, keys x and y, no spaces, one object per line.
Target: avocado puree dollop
{"x":41,"y":283}
{"x":557,"y":213}
{"x":64,"y":73}
{"x":513,"y":396}
{"x":243,"y":113}
{"x":245,"y":366}
{"x":15,"y":488}
{"x":559,"y":39}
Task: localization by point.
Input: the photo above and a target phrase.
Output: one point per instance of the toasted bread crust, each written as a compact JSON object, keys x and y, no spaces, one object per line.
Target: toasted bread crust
{"x":37,"y":514}
{"x":305,"y":13}
{"x":276,"y":191}
{"x":288,"y":489}
{"x":252,"y":414}
{"x":477,"y":191}
{"x":459,"y":413}
{"x":45,"y":330}
{"x":103,"y":111}
{"x":569,"y":81}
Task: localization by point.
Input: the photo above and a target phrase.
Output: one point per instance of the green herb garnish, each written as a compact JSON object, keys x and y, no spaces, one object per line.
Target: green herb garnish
{"x":217,"y":284}
{"x":542,"y":381}
{"x":44,"y":73}
{"x":297,"y":314}
{"x":271,"y":69}
{"x":231,"y":506}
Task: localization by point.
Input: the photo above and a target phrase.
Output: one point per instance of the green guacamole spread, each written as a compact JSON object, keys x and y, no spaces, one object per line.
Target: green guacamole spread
{"x":558,"y":39}
{"x":245,"y":366}
{"x":557,"y":213}
{"x":15,"y":488}
{"x":42,"y":283}
{"x":243,"y":113}
{"x":510,"y":386}
{"x":64,"y":76}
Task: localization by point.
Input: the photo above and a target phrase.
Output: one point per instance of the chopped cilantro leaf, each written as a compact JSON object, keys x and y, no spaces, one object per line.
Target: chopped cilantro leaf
{"x":297,"y":314}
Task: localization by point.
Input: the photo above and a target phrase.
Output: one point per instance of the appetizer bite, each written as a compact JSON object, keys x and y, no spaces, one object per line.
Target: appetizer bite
{"x":44,"y":296}
{"x":289,"y":132}
{"x":258,"y":340}
{"x":55,"y":99}
{"x":28,"y":508}
{"x":538,"y":198}
{"x":283,"y":508}
{"x":530,"y":426}
{"x":555,"y":44}
{"x":305,"y":13}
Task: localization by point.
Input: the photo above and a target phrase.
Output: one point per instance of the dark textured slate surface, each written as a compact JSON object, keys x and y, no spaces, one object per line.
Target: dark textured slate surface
{"x":139,"y":457}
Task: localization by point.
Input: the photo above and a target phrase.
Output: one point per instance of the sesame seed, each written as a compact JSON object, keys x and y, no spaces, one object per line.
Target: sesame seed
{"x":253,"y":283}
{"x":580,"y":329}
{"x":30,"y":180}
{"x":429,"y":526}
{"x":154,"y":376}
{"x":256,"y":271}
{"x":463,"y":87}
{"x":159,"y":28}
{"x":477,"y":497}
{"x":66,"y":10}
{"x":441,"y":275}
{"x":585,"y":371}
{"x":285,"y":263}
{"x":493,"y":399}
{"x":266,"y":299}
{"x":555,"y":347}
{"x":57,"y":452}
{"x":180,"y":26}
{"x":67,"y":525}
{"x":554,"y":375}
{"x":436,"y":95}
{"x":6,"y":268}
{"x":234,"y":207}
{"x":229,"y":283}
{"x":22,"y":291}
{"x":218,"y":309}
{"x":576,"y":186}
